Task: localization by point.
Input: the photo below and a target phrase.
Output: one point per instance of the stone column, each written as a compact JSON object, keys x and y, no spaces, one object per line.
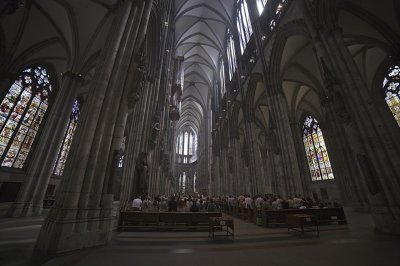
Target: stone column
{"x":40,"y":169}
{"x":376,"y":148}
{"x":255,"y":163}
{"x":81,"y":215}
{"x":347,"y":175}
{"x":303,"y":164}
{"x":278,"y":109}
{"x":291,"y":182}
{"x":112,"y":183}
{"x":234,"y":164}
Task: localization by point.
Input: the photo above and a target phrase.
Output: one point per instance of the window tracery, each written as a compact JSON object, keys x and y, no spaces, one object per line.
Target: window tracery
{"x":68,"y":135}
{"x":261,"y":5}
{"x":391,"y":85}
{"x":243,"y":24}
{"x":231,"y":55}
{"x":21,"y":114}
{"x":316,"y":152}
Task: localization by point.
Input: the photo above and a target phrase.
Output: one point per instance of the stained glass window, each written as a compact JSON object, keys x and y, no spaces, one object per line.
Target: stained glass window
{"x":243,"y":24}
{"x":69,"y":133}
{"x":190,"y":143}
{"x":261,"y":5}
{"x":231,"y":55}
{"x":186,"y":144}
{"x":391,"y":85}
{"x":121,"y":161}
{"x":21,"y":113}
{"x":317,"y":155}
{"x":180,"y":144}
{"x":222,"y":78}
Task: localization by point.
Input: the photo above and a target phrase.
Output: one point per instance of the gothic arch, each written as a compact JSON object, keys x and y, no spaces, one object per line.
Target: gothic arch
{"x":295,"y":69}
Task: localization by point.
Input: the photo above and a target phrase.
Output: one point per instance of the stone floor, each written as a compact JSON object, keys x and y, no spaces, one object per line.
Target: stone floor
{"x":354,"y":244}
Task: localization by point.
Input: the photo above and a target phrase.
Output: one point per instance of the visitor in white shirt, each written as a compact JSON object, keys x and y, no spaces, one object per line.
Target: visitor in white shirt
{"x":137,"y":204}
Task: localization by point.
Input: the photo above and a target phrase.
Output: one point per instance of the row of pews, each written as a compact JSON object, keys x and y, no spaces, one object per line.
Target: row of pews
{"x":154,"y":220}
{"x":271,"y":218}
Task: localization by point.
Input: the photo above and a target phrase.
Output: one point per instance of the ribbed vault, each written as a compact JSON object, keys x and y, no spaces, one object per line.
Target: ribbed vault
{"x":200,"y":27}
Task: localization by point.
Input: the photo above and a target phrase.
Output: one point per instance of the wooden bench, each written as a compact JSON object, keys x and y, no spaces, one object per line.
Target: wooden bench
{"x":165,"y":220}
{"x":323,"y":215}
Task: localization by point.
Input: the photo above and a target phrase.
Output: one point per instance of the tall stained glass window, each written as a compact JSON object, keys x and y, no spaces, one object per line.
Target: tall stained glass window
{"x":391,"y":85}
{"x":187,"y":146}
{"x":231,"y":55}
{"x":21,"y":113}
{"x":317,"y":155}
{"x":222,"y":78}
{"x":190,"y":143}
{"x":261,"y":5}
{"x":69,"y":133}
{"x":180,"y":144}
{"x":243,"y":24}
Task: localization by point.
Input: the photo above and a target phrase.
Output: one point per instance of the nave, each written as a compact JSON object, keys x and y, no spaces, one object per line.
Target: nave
{"x":353,"y":244}
{"x":105,"y":101}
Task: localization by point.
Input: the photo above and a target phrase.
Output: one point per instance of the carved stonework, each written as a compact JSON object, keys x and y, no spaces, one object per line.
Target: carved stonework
{"x":140,"y":185}
{"x":174,"y":113}
{"x":332,"y":95}
{"x":155,"y":130}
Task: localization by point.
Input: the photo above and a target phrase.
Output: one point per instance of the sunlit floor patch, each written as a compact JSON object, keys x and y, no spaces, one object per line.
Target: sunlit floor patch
{"x":182,"y":251}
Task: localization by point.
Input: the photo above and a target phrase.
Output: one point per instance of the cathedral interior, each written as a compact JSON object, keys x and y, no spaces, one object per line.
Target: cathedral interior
{"x":106,"y":100}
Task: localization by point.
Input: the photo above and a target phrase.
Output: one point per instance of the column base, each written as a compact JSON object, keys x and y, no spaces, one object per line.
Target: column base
{"x":387,"y":222}
{"x":386,"y":216}
{"x":60,"y":236}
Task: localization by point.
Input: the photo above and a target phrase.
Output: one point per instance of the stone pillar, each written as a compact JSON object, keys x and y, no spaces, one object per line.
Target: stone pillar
{"x":81,"y":215}
{"x":278,"y":109}
{"x":302,"y":159}
{"x":374,"y":141}
{"x":292,"y":181}
{"x":347,"y":175}
{"x":255,"y":163}
{"x":40,"y":169}
{"x":112,"y":182}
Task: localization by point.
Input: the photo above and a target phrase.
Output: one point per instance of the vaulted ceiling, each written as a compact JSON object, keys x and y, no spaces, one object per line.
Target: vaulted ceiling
{"x":200,"y":27}
{"x":67,"y":34}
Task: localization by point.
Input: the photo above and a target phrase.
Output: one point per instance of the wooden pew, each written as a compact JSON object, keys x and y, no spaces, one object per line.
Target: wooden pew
{"x":324,"y":216}
{"x":165,"y":220}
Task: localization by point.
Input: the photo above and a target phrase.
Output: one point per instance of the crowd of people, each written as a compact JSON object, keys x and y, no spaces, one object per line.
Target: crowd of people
{"x":189,"y":203}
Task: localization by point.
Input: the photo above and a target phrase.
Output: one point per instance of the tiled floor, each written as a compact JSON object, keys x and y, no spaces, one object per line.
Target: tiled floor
{"x":355,"y":244}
